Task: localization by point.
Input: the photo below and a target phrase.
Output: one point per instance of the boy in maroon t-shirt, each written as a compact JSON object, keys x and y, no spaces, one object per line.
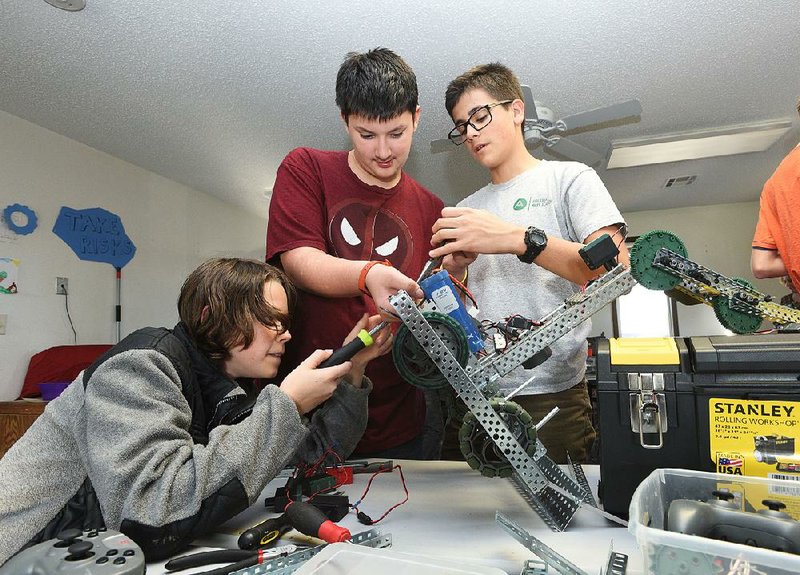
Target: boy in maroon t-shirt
{"x":335,"y":213}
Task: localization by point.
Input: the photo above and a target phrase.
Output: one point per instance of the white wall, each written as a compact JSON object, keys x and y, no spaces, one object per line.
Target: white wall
{"x":718,"y":237}
{"x":173,"y":227}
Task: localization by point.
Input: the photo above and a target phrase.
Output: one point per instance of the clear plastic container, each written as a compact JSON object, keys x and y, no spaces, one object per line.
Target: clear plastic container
{"x":342,"y":558}
{"x":670,"y":553}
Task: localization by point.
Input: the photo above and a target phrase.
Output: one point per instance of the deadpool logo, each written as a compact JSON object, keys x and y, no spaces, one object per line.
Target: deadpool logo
{"x":361,"y":232}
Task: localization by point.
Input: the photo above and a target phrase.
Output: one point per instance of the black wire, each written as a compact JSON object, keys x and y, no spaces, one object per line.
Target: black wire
{"x":623,"y":231}
{"x":66,"y":305}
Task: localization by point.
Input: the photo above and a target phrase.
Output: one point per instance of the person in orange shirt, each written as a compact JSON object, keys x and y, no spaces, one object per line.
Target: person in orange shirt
{"x":776,"y":243}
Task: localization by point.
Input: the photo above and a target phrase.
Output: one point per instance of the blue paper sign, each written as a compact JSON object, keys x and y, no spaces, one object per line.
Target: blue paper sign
{"x":95,"y":235}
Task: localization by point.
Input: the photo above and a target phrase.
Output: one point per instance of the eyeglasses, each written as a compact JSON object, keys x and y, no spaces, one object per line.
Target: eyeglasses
{"x":478,"y":119}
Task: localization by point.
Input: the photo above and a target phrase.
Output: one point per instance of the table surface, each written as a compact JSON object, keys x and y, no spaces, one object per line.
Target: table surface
{"x":450,"y":514}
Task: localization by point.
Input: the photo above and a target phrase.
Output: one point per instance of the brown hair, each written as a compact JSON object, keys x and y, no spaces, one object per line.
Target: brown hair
{"x":377,"y":85}
{"x":497,"y":79}
{"x":221,"y":299}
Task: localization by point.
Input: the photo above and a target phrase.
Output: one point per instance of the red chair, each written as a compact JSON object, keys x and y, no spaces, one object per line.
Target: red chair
{"x":60,"y":363}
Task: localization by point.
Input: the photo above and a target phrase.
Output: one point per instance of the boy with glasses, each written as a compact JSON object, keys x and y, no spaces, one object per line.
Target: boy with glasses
{"x":336,"y":214}
{"x":528,"y":225}
{"x":169,"y":433}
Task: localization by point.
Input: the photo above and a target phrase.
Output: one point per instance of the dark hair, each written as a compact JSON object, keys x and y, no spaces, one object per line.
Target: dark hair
{"x":798,"y":105}
{"x":221,"y":299}
{"x":498,"y":80}
{"x":377,"y":85}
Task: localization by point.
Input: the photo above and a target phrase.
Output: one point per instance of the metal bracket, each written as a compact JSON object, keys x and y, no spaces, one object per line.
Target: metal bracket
{"x":553,"y":559}
{"x":291,"y":563}
{"x":648,"y":407}
{"x":617,"y":562}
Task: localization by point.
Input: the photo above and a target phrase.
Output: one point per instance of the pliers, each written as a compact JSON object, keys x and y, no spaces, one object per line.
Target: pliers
{"x":251,"y":549}
{"x":237,"y":559}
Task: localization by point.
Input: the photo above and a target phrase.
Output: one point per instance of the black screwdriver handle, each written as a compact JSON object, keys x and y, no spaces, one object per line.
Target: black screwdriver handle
{"x":346,"y":352}
{"x":264,"y":533}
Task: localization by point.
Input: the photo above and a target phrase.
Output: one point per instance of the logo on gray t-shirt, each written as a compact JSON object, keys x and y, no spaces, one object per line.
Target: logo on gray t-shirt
{"x":522,"y":203}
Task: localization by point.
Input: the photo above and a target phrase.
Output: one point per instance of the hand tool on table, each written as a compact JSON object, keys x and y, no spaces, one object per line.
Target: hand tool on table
{"x":265,"y":532}
{"x":309,"y":520}
{"x":237,"y":559}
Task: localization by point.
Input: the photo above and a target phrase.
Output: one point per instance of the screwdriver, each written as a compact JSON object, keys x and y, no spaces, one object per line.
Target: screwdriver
{"x":264,"y":533}
{"x":348,"y":350}
{"x":309,"y":520}
{"x":364,"y":337}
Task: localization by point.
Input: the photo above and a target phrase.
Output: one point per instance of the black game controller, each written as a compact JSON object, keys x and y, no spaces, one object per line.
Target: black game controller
{"x":722,"y":519}
{"x":94,"y":552}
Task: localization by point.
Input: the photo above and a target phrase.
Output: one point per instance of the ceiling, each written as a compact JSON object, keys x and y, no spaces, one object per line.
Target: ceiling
{"x":213,"y":95}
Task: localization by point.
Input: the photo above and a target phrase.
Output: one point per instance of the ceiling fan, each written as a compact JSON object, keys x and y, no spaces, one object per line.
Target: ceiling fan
{"x":541,"y":127}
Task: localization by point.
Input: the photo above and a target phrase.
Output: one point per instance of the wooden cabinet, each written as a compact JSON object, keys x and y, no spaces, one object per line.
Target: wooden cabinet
{"x":15,"y":419}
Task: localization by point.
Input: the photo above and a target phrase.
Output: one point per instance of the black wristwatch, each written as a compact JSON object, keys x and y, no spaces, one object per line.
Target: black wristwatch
{"x":535,"y":242}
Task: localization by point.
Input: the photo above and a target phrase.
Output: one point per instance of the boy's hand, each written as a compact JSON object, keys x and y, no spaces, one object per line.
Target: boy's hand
{"x":385,"y":281}
{"x":308,"y":386}
{"x":457,"y":262}
{"x":382,"y":343}
{"x":473,"y":231}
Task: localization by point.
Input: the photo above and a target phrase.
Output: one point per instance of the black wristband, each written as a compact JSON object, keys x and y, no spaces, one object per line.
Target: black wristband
{"x":535,"y":242}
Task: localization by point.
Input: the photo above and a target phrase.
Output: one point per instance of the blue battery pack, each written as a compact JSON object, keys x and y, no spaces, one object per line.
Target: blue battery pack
{"x":439,"y":289}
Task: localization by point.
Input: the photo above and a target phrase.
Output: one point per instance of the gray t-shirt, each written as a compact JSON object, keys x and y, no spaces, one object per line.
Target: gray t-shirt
{"x":566,"y":200}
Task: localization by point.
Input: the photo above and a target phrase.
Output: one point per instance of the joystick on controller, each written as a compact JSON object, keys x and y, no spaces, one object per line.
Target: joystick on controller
{"x":721,"y":519}
{"x":92,"y":552}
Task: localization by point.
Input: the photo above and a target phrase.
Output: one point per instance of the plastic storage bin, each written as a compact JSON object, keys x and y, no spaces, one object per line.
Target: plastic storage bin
{"x":52,"y":389}
{"x":669,"y":553}
{"x":341,"y":559}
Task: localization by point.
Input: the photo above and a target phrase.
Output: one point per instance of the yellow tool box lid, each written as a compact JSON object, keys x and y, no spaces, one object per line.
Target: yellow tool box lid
{"x":643,"y":351}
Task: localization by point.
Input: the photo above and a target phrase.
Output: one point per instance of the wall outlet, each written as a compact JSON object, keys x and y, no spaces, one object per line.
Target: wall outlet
{"x":62,"y":284}
{"x":3,"y":322}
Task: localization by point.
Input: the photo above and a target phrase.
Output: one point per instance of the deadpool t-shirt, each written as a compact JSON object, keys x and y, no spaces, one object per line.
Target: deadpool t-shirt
{"x":318,"y":202}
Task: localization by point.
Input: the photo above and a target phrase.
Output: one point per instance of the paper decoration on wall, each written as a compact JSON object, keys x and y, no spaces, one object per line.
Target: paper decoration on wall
{"x":95,"y":235}
{"x":20,"y":219}
{"x":8,"y":275}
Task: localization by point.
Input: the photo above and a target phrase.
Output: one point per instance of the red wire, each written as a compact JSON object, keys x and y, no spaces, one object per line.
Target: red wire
{"x":308,"y":471}
{"x":369,"y":483}
{"x":463,"y":289}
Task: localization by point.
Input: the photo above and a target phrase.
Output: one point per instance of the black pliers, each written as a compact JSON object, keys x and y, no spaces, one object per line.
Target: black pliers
{"x":236,"y":558}
{"x":251,"y":551}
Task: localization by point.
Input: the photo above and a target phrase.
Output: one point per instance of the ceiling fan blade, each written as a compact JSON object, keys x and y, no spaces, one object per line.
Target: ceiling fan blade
{"x":530,"y":104}
{"x":573,"y":151}
{"x":442,"y":145}
{"x":603,"y":115}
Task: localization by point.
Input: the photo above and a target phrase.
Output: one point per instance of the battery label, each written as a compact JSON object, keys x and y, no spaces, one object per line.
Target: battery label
{"x":754,"y":437}
{"x":445,"y":299}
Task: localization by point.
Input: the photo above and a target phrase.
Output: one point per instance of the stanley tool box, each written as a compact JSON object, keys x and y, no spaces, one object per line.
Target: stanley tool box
{"x":721,"y":404}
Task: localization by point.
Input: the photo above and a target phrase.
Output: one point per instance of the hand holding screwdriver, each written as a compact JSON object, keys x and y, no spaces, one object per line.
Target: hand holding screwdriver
{"x":345,"y":353}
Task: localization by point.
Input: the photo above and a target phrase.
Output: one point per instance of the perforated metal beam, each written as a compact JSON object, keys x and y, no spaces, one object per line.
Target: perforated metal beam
{"x":553,"y":494}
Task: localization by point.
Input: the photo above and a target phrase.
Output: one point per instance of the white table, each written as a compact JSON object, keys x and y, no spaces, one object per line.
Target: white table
{"x":451,"y":514}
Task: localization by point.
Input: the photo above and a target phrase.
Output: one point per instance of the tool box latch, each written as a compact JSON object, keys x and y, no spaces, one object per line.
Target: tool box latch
{"x":648,"y":407}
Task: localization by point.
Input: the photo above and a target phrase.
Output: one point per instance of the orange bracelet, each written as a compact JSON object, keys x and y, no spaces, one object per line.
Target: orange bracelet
{"x":362,"y":278}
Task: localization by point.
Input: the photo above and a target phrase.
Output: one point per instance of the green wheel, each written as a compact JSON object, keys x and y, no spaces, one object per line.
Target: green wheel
{"x":412,"y":361}
{"x":643,"y":252}
{"x":481,"y":453}
{"x":732,"y":319}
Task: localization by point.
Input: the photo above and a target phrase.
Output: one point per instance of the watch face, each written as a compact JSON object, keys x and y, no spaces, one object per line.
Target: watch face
{"x":535,"y":237}
{"x":535,"y":242}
